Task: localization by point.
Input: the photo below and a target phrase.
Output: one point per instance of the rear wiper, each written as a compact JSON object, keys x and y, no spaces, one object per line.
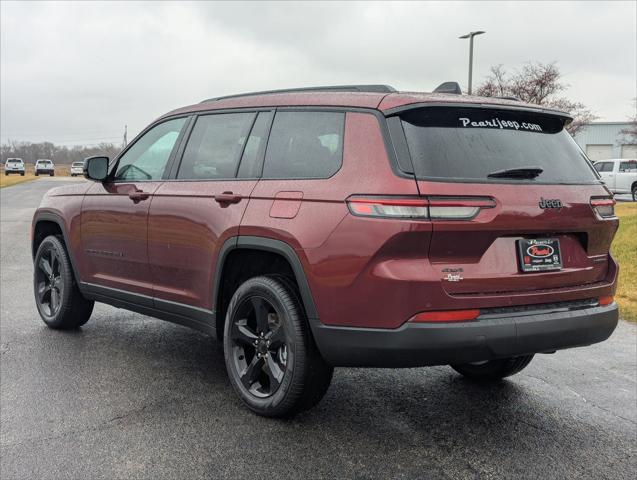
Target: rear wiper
{"x":520,"y":172}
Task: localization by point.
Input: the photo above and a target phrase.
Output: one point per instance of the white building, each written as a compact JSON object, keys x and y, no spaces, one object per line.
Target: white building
{"x":603,"y":140}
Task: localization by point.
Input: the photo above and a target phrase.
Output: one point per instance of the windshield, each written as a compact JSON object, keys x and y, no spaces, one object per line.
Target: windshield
{"x":471,"y":143}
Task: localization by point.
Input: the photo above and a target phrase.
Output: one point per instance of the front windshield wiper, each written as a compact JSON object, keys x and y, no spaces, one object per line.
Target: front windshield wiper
{"x":520,"y":172}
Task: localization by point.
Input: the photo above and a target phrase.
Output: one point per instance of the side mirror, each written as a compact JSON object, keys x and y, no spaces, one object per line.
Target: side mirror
{"x":96,"y":168}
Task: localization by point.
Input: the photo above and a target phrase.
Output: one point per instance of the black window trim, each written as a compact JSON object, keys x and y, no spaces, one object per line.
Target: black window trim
{"x":173,"y":162}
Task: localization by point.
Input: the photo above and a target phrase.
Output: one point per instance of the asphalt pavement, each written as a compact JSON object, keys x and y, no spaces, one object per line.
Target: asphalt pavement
{"x":128,"y":396}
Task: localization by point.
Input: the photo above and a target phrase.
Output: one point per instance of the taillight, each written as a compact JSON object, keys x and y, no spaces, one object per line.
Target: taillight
{"x":604,"y":207}
{"x":607,"y":300}
{"x":396,"y":207}
{"x":458,"y":208}
{"x":447,"y":316}
{"x":434,"y":208}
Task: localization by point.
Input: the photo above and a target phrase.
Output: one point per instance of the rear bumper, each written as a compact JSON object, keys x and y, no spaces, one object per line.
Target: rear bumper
{"x":420,"y":344}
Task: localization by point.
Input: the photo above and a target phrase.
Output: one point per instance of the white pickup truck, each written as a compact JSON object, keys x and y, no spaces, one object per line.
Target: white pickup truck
{"x":619,"y":175}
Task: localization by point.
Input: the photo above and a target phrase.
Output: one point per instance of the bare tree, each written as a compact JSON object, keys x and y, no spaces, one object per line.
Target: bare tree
{"x":536,"y":83}
{"x":30,"y":152}
{"x":630,"y":133}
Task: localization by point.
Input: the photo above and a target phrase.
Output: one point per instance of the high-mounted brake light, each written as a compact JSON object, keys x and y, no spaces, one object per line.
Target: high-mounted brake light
{"x":447,"y":316}
{"x":434,"y":208}
{"x":604,"y":207}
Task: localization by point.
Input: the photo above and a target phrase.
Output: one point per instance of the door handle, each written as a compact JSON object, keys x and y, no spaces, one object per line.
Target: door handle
{"x":227,"y":198}
{"x":138,"y":196}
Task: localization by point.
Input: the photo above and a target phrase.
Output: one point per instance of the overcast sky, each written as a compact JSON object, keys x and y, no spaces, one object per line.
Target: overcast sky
{"x":77,"y":73}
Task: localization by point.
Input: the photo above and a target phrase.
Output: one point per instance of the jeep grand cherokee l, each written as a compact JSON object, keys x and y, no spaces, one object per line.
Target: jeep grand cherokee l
{"x":341,"y":226}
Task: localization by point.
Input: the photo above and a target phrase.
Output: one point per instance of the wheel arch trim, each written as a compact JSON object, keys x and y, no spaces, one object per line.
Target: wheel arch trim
{"x":59,"y":221}
{"x":274,"y":246}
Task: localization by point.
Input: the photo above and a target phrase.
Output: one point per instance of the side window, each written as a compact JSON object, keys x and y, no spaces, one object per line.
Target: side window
{"x":604,"y":166}
{"x":147,"y":158}
{"x":628,"y":166}
{"x":250,"y":166}
{"x":305,"y":145}
{"x":214,"y":147}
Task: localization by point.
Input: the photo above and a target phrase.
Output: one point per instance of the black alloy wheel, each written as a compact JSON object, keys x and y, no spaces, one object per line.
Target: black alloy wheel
{"x":259,"y":348}
{"x":273,"y":364}
{"x":49,"y":282}
{"x":57,"y":296}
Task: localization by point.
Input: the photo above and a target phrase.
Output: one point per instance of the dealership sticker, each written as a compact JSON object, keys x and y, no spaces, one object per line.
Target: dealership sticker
{"x":502,"y":124}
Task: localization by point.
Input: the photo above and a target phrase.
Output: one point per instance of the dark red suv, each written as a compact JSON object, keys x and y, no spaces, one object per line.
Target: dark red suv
{"x":341,"y":226}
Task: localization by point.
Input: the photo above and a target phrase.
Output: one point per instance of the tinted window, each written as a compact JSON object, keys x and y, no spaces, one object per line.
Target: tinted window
{"x":146,"y":159}
{"x":250,"y":167}
{"x":470,"y":143}
{"x":305,"y":145}
{"x":628,"y":166}
{"x":214,"y":147}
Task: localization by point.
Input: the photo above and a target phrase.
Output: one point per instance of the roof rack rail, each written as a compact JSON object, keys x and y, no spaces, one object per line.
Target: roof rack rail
{"x":331,"y":88}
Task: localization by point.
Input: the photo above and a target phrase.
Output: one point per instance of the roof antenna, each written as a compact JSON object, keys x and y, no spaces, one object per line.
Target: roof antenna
{"x":449,"y":87}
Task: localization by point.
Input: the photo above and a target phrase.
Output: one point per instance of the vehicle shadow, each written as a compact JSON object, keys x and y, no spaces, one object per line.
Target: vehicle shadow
{"x":379,"y":422}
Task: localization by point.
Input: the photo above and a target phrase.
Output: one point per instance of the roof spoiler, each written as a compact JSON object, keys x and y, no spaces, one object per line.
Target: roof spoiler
{"x":449,"y":87}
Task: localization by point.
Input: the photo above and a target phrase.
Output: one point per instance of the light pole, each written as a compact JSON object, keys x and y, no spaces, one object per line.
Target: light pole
{"x":470,"y":36}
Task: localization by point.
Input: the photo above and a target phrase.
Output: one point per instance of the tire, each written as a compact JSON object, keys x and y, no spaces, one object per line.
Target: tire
{"x":634,"y":192}
{"x":36,"y":174}
{"x":493,"y":370}
{"x":51,"y":174}
{"x":57,"y":297}
{"x":22,"y":174}
{"x":285,"y":374}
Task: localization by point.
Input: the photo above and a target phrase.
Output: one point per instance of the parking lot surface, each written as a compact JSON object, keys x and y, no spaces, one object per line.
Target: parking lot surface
{"x":128,"y":396}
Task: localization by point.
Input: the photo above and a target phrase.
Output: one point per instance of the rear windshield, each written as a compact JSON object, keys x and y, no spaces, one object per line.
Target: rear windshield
{"x":15,"y":162}
{"x":470,"y":143}
{"x":78,"y":164}
{"x":44,"y":162}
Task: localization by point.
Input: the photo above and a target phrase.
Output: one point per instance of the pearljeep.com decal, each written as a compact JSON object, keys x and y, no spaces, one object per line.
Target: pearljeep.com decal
{"x":497,"y":123}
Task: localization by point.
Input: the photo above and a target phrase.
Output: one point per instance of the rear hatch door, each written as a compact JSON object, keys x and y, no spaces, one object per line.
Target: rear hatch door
{"x":540,"y":188}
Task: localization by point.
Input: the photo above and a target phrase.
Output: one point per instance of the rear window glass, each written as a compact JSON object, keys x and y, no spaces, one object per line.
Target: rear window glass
{"x":305,"y":145}
{"x":470,"y":143}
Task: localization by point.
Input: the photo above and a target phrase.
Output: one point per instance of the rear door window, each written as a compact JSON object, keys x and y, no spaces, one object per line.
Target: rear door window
{"x":628,"y":166}
{"x":215,"y":146}
{"x":305,"y":145}
{"x":467,"y":144}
